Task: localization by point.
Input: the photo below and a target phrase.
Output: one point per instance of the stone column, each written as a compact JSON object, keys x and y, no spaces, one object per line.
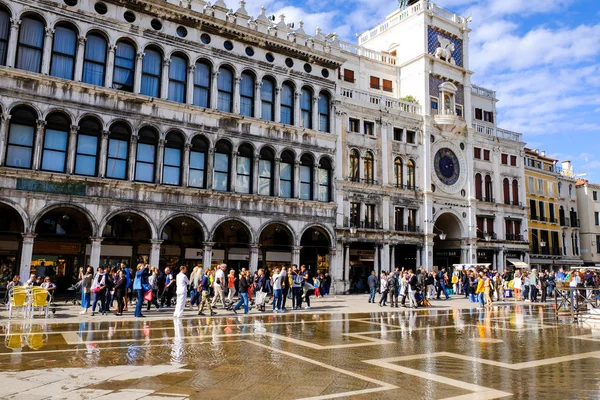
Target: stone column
{"x":4,"y":124}
{"x":376,"y":262}
{"x":385,"y":257}
{"x":164,"y":79}
{"x":189,"y":91}
{"x":418,"y":258}
{"x":214,"y":90}
{"x":501,"y":263}
{"x":209,"y":168}
{"x":26,"y":255}
{"x":160,"y":157}
{"x":393,"y":257}
{"x":346,"y":266}
{"x":257,"y":100}
{"x":255,"y":166}
{"x":38,"y":145}
{"x":315,"y":113}
{"x":315,"y":182}
{"x":78,"y":75}
{"x":296,"y":255}
{"x":11,"y":52}
{"x":132,"y":157}
{"x":155,"y":253}
{"x":103,"y":154}
{"x":186,"y":165}
{"x":276,"y":175}
{"x":334,"y":272}
{"x":95,"y":252}
{"x":428,"y":248}
{"x":47,"y":51}
{"x":72,"y":146}
{"x":207,"y":255}
{"x":236,"y":95}
{"x":297,"y":108}
{"x":233,"y":172}
{"x":253,"y":262}
{"x":110,"y":66}
{"x":137,"y":78}
{"x":494,"y":260}
{"x":278,"y":104}
{"x":296,"y":191}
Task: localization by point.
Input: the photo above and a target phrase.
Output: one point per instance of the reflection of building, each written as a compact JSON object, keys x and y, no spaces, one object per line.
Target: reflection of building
{"x":181,"y":132}
{"x":553,"y":219}
{"x":588,"y":202}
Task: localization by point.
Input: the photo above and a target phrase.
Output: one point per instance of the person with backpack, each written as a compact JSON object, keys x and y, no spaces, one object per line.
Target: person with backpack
{"x":205,"y":285}
{"x":392,"y":285}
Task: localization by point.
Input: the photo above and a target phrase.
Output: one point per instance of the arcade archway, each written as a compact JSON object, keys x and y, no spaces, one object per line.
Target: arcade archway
{"x":231,"y":245}
{"x":11,"y":229}
{"x":315,"y":247}
{"x":182,"y":243}
{"x":276,"y":241}
{"x":127,"y":239}
{"x":447,"y":242}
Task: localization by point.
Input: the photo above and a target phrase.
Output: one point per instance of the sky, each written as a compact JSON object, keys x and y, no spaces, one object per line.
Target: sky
{"x":541,"y":56}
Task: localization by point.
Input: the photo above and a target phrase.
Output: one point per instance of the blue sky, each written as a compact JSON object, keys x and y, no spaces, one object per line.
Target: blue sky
{"x":542,"y":56}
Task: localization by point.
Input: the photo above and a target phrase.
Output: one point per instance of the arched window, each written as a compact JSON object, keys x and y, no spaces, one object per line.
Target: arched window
{"x":31,"y":44}
{"x":267,"y":98}
{"x":177,"y":78}
{"x":488,"y":189}
{"x":202,"y":81}
{"x":287,"y":104}
{"x":146,"y":155}
{"x":570,"y":190}
{"x":515,"y":192}
{"x":118,"y":151}
{"x":244,"y":163}
{"x":561,"y":216}
{"x":56,"y":137}
{"x":4,"y":34}
{"x":306,"y":177}
{"x":324,"y":112}
{"x":286,"y":174}
{"x":198,"y":161}
{"x":94,"y":61}
{"x":265,"y":172}
{"x":172,"y":159}
{"x":354,"y":173}
{"x":222,"y":166}
{"x":225,"y":90}
{"x":151,"y":72}
{"x":124,"y":66}
{"x":398,"y":172}
{"x":478,"y":187}
{"x":306,"y":108}
{"x":63,"y":52}
{"x":368,"y":168}
{"x":247,"y":94}
{"x":411,"y":179}
{"x":324,"y":176}
{"x":86,"y":158}
{"x":506,"y":190}
{"x":21,"y":138}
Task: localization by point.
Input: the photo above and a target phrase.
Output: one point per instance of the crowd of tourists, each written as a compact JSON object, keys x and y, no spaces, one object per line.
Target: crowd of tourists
{"x":479,"y":285}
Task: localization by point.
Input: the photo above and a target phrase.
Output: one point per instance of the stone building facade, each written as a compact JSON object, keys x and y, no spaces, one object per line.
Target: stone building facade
{"x":184,"y":133}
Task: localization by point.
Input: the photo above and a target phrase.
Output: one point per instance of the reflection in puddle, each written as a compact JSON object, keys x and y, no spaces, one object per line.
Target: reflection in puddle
{"x":30,"y":334}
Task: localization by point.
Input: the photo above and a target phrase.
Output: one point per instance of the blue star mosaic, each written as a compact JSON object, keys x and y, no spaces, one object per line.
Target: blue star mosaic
{"x":433,"y":43}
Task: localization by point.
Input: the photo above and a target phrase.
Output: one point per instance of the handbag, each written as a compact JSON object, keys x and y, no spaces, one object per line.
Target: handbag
{"x":97,"y":289}
{"x":149,"y":296}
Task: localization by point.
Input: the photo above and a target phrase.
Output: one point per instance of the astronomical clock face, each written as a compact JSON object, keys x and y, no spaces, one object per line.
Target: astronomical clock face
{"x":449,"y":167}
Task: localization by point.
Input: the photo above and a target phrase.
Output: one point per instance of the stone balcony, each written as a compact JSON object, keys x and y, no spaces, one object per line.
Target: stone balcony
{"x":498,"y":132}
{"x":449,"y":122}
{"x":366,"y":99}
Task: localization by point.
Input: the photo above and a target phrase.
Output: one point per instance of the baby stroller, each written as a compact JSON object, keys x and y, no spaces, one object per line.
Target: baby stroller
{"x":75,"y":289}
{"x":260,"y":301}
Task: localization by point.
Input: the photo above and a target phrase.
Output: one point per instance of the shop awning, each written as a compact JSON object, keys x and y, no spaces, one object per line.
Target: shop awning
{"x":517,"y":263}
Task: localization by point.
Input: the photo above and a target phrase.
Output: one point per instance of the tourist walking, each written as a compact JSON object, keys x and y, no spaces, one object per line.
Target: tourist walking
{"x":99,"y":290}
{"x":297,"y":280}
{"x":412,"y":288}
{"x":205,"y":286}
{"x":230,"y":286}
{"x":153,"y":282}
{"x":392,"y":286}
{"x":372,"y":282}
{"x":383,"y":289}
{"x":86,"y":288}
{"x":285,"y":286}
{"x":243,"y":292}
{"x":307,"y":285}
{"x":181,"y":283}
{"x":533,"y":285}
{"x":167,"y":294}
{"x":517,"y":284}
{"x":139,"y":284}
{"x":277,"y":291}
{"x":219,"y":285}
{"x":120,"y":290}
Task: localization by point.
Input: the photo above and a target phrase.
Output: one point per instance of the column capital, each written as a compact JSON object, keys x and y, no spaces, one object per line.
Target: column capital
{"x":156,"y":242}
{"x":49,"y":32}
{"x":105,"y":134}
{"x":258,"y":85}
{"x":254,"y":247}
{"x":14,"y":23}
{"x":332,"y":251}
{"x":140,"y":55}
{"x":6,"y":117}
{"x":238,"y":79}
{"x":40,"y":123}
{"x":191,"y":68}
{"x":96,"y":240}
{"x":167,"y":62}
{"x":112,"y":48}
{"x":208,"y":246}
{"x":74,"y":128}
{"x":161,"y":143}
{"x":187,"y":146}
{"x":296,"y":249}
{"x":133,"y":139}
{"x":28,"y":237}
{"x":81,"y":40}
{"x":315,"y":99}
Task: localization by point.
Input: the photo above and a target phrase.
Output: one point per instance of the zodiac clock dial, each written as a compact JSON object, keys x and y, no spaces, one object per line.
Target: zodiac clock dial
{"x":447,"y":166}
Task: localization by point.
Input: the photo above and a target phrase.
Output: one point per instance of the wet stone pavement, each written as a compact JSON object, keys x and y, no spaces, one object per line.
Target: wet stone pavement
{"x":512,"y":351}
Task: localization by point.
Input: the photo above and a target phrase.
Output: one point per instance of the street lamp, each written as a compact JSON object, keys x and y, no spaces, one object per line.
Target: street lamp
{"x":441,"y":235}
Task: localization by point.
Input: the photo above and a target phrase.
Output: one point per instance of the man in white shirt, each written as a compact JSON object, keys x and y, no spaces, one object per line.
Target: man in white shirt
{"x":182,"y":283}
{"x":218,"y":285}
{"x":277,"y":292}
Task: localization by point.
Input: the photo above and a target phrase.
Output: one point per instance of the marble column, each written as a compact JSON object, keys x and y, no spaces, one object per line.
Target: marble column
{"x":110,"y":66}
{"x":214,"y":90}
{"x":315,"y":182}
{"x":276,"y":175}
{"x":257,"y":100}
{"x":233,"y":172}
{"x":47,"y":51}
{"x":385,"y":257}
{"x":72,"y":147}
{"x":296,"y":121}
{"x":236,"y":95}
{"x":207,"y":255}
{"x":393,"y":257}
{"x":78,"y":75}
{"x":137,"y":78}
{"x":315,"y":113}
{"x":155,"y":253}
{"x":4,"y":124}
{"x":11,"y":51}
{"x":38,"y":145}
{"x":160,"y":157}
{"x":209,"y":168}
{"x":428,"y":249}
{"x":334,"y":272}
{"x":96,"y":249}
{"x":189,"y":91}
{"x":103,"y":154}
{"x":278,"y":104}
{"x":255,"y":172}
{"x":296,"y":255}
{"x":164,"y":79}
{"x":296,"y":191}
{"x":186,"y":165}
{"x":253,"y":262}
{"x":346,"y":265}
{"x":419,"y":258}
{"x":132,"y":157}
{"x":26,"y":255}
{"x":501,"y":263}
{"x":376,"y":260}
